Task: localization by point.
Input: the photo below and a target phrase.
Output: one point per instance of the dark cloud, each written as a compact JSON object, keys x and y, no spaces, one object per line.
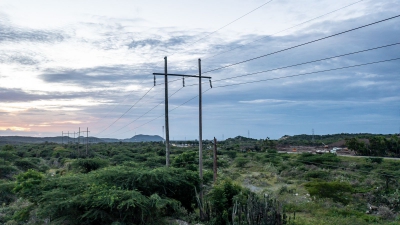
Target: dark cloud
{"x":98,"y":76}
{"x":18,"y":95}
{"x":169,"y":43}
{"x":16,"y":34}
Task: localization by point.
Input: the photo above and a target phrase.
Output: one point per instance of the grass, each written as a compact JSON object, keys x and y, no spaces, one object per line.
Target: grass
{"x":284,"y":178}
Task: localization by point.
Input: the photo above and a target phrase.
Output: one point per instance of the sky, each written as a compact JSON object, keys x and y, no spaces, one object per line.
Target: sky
{"x":70,"y":65}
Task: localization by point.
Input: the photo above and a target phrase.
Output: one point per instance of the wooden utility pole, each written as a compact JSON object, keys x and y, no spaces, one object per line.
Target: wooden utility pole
{"x":166,"y":74}
{"x":166,"y":113}
{"x":62,"y":137}
{"x":215,"y":160}
{"x":200,"y":137}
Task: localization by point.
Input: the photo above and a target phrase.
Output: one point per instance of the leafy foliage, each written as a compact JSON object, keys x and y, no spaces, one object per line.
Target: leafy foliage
{"x":337,"y":191}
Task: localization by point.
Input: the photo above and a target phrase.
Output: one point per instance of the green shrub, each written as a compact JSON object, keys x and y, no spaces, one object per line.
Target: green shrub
{"x":241,"y":162}
{"x":374,"y":160}
{"x":317,"y":174}
{"x":87,"y":165}
{"x":7,"y":171}
{"x":232,"y":154}
{"x":337,"y":191}
{"x":6,"y":194}
{"x":25,"y":164}
{"x":308,"y":158}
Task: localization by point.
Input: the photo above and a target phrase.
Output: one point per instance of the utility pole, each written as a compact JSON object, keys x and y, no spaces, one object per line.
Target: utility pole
{"x":166,"y":112}
{"x":200,"y":136}
{"x":166,"y":74}
{"x":62,"y":137}
{"x":215,"y":160}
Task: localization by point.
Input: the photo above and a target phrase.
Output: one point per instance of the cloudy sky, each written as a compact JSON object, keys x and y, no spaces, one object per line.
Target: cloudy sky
{"x":70,"y":64}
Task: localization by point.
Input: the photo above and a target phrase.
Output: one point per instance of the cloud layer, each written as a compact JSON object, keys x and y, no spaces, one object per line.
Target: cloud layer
{"x":89,"y":71}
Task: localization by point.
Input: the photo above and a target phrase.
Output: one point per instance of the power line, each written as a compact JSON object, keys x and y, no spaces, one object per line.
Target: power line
{"x":126,"y":111}
{"x":168,"y":111}
{"x":224,"y":26}
{"x":313,"y":61}
{"x":276,"y":78}
{"x":296,"y":46}
{"x":302,"y":74}
{"x":231,"y":49}
{"x":147,"y":111}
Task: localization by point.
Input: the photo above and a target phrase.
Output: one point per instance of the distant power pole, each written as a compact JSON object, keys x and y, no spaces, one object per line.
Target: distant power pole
{"x":62,"y":137}
{"x":248,"y":133}
{"x":87,"y":139}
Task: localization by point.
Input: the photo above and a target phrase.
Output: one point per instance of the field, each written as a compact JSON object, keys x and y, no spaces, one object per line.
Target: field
{"x":128,"y":183}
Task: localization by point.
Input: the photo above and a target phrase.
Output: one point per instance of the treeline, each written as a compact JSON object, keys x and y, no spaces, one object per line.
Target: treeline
{"x":375,"y":146}
{"x":307,"y":140}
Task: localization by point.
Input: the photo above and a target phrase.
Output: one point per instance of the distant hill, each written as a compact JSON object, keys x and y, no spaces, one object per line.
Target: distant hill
{"x":144,"y":138}
{"x":66,"y":139}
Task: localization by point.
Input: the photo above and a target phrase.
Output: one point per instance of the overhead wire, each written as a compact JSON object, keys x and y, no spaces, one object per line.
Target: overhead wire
{"x":303,"y":63}
{"x":299,"y":45}
{"x":126,"y":111}
{"x":282,"y":77}
{"x":188,"y":45}
{"x":259,"y":39}
{"x":168,"y":111}
{"x":308,"y":62}
{"x":303,"y":74}
{"x":147,"y":111}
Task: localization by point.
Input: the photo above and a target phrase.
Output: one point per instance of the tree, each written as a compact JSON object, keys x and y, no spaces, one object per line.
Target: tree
{"x":358,"y":146}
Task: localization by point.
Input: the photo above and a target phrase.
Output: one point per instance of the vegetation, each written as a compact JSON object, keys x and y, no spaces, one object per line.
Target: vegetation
{"x":128,"y":183}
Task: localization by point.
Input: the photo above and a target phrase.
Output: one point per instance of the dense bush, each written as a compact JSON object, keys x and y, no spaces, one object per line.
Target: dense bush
{"x":308,"y":158}
{"x":317,"y":174}
{"x":337,"y":191}
{"x":25,"y":164}
{"x":241,"y":162}
{"x":101,"y":197}
{"x":87,"y":165}
{"x":7,"y":171}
